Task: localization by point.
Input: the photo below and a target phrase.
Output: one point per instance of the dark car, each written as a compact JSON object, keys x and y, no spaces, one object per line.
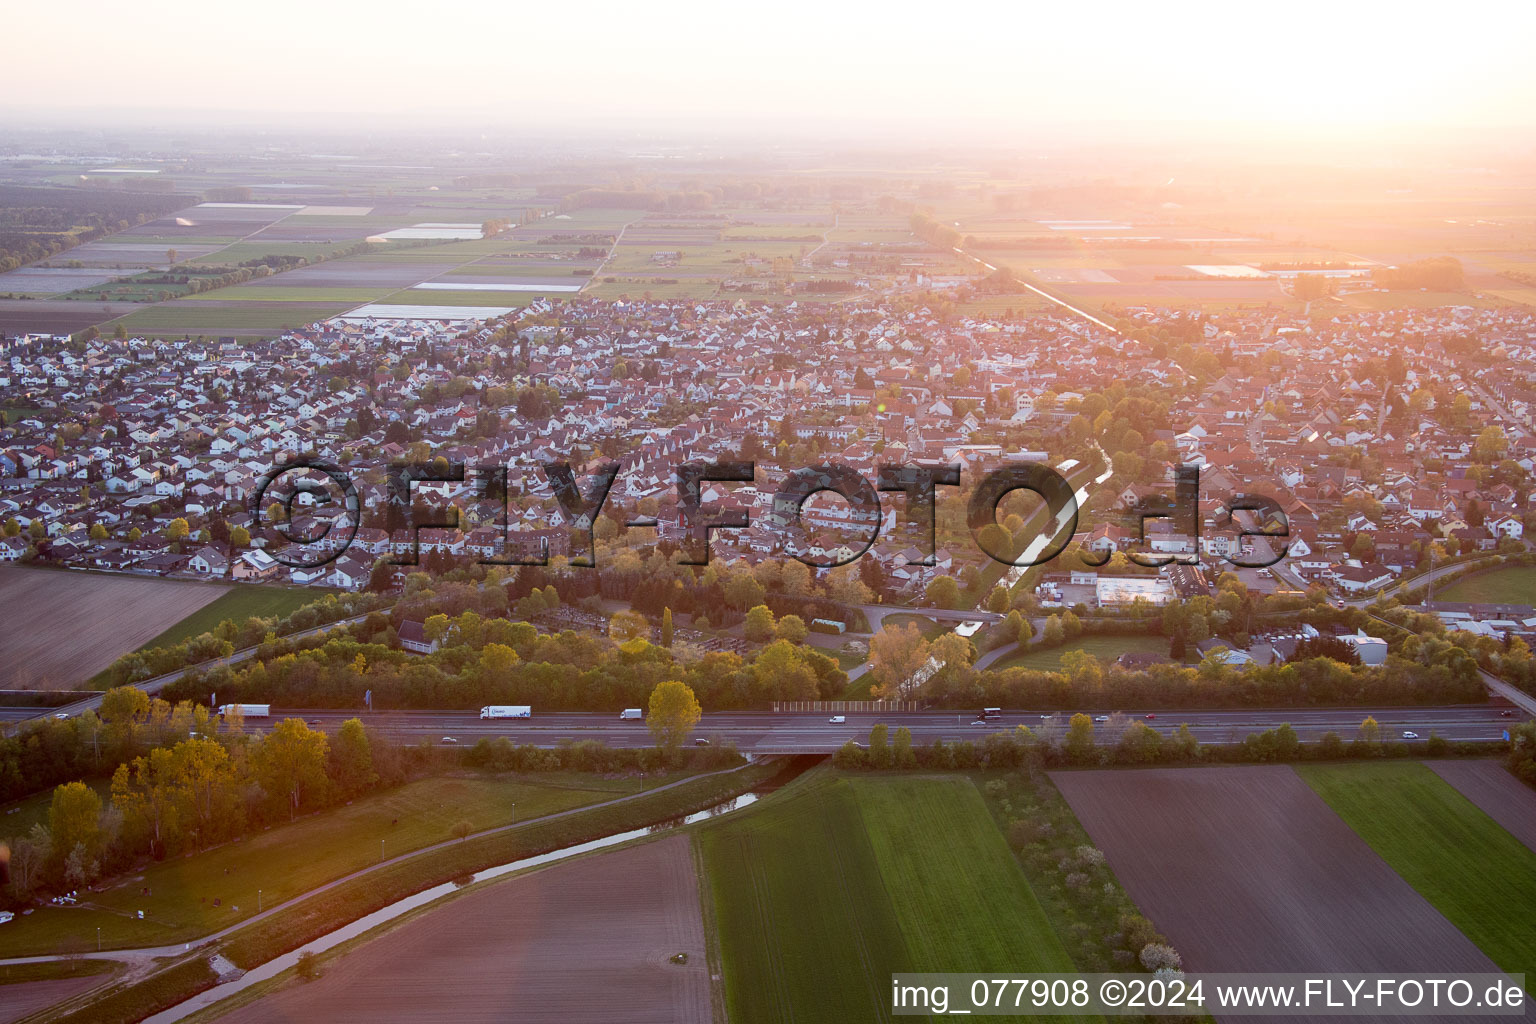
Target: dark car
{"x":1506,"y":714}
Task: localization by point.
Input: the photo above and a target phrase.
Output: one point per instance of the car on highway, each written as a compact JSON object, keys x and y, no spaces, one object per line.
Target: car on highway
{"x":1151,"y":714}
{"x":837,"y":720}
{"x":449,"y":739}
{"x":701,"y":742}
{"x":980,"y":721}
{"x":1410,"y":735}
{"x":1102,"y":718}
{"x":1502,"y":714}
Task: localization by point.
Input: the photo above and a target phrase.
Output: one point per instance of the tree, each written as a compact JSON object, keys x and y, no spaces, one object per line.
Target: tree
{"x":901,"y":749}
{"x":895,"y":655}
{"x":626,"y":625}
{"x":497,"y":659}
{"x":239,"y":537}
{"x":463,"y":829}
{"x":351,"y":758}
{"x":1079,"y":741}
{"x":997,"y":601}
{"x":666,"y":627}
{"x":177,"y":530}
{"x":1370,"y":731}
{"x":98,"y":532}
{"x":1054,"y":634}
{"x":943,"y":592}
{"x":435,"y":627}
{"x":879,"y":749}
{"x":673,"y":713}
{"x":74,"y":823}
{"x":791,"y":628}
{"x":759,"y":624}
{"x":291,"y":761}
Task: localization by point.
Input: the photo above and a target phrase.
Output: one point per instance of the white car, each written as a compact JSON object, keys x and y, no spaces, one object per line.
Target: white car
{"x":449,"y":739}
{"x":1410,"y":735}
{"x":1102,"y":718}
{"x":837,"y":720}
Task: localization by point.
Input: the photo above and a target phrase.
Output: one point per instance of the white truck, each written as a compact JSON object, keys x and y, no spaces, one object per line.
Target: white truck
{"x":247,"y":710}
{"x":506,"y":711}
{"x":631,"y":715}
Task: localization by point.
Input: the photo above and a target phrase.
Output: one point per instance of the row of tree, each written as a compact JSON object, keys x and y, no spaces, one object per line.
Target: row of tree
{"x":213,"y":785}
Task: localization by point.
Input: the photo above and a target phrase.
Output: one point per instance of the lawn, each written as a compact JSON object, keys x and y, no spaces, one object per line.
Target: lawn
{"x":289,"y":860}
{"x":824,"y":890}
{"x":239,"y":604}
{"x":1514,"y":585}
{"x":928,"y":627}
{"x":1105,"y":648}
{"x":1468,"y":867}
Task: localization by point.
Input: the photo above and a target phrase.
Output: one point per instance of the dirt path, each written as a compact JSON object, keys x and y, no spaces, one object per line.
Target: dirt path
{"x":587,"y":940}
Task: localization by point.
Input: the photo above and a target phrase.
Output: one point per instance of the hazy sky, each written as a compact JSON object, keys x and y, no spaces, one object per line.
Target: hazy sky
{"x":1334,"y":63}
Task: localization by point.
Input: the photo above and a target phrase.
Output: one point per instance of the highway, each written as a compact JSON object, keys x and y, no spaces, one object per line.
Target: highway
{"x":811,"y":733}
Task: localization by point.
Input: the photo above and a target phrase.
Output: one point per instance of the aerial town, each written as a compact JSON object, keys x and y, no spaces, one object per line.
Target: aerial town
{"x":689,"y":514}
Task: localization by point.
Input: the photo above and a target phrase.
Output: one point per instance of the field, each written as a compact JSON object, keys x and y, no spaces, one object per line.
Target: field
{"x":1515,"y":585}
{"x":1457,"y":857}
{"x":1209,"y":852}
{"x":20,"y":999}
{"x":238,"y":604}
{"x":1105,"y":648}
{"x":824,"y":890}
{"x":64,"y":627}
{"x":289,"y":860}
{"x":586,"y":940}
{"x":1496,"y":791}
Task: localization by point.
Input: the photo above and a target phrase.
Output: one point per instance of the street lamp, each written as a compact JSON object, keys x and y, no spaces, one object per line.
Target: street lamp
{"x":98,"y":938}
{"x":381,"y":851}
{"x":258,"y":901}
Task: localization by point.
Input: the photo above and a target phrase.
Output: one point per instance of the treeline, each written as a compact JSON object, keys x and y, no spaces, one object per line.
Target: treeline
{"x":229,"y":636}
{"x":1122,"y":742}
{"x":637,"y":199}
{"x":36,"y":223}
{"x":935,"y":232}
{"x":180,"y":795}
{"x":498,"y":661}
{"x":1438,"y":274}
{"x":1430,"y":671}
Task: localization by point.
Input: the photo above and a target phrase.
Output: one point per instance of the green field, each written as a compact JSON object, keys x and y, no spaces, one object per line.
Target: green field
{"x":213,"y":317}
{"x":825,"y":890}
{"x":1514,"y":585}
{"x":1474,"y":872}
{"x":1105,"y":648}
{"x":289,"y":860}
{"x":239,"y":604}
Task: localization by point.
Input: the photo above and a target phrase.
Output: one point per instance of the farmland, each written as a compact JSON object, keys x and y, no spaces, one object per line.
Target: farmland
{"x":1457,"y":857}
{"x":590,"y":939}
{"x":237,"y":605}
{"x":64,"y":627}
{"x":821,"y":892}
{"x":1495,"y":790}
{"x":290,"y":860}
{"x":1515,"y":585}
{"x":1206,"y":852}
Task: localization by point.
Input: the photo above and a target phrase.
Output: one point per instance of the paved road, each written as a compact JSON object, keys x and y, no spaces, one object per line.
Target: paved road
{"x":812,"y":733}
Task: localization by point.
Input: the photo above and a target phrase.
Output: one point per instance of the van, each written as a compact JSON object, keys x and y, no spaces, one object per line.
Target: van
{"x":837,"y":720}
{"x":631,"y":715}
